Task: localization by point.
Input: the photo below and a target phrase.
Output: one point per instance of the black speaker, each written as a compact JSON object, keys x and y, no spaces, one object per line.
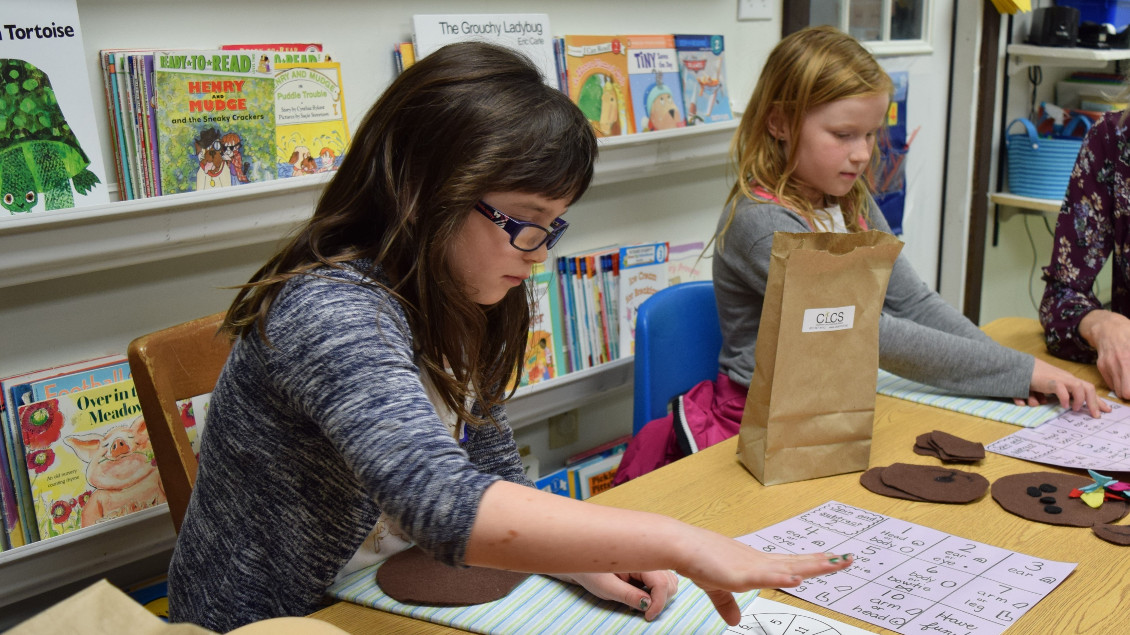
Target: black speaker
{"x":1054,"y":26}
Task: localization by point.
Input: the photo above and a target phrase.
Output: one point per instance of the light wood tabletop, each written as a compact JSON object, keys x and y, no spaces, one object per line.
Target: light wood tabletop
{"x":713,"y":490}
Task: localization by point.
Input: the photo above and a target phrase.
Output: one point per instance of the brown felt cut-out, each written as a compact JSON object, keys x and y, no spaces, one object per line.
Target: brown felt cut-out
{"x":1117,"y":534}
{"x":872,"y":480}
{"x":957,"y":447}
{"x":1024,"y":495}
{"x":414,"y":577}
{"x":935,"y":483}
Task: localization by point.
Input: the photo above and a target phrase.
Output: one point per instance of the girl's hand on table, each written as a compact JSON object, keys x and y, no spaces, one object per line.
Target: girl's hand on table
{"x":660,"y":586}
{"x":1072,"y":392}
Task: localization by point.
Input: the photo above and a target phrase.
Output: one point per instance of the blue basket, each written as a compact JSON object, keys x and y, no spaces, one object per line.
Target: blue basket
{"x":1040,"y":167}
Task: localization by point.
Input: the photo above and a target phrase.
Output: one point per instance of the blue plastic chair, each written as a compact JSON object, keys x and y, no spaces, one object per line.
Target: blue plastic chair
{"x":677,"y":345}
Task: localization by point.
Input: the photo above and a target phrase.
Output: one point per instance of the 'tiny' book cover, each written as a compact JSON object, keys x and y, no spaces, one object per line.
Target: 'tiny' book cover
{"x":653,"y":79}
{"x":215,"y":118}
{"x":88,"y":458}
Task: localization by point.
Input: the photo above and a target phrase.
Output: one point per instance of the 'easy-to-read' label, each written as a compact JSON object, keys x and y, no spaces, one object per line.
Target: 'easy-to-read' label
{"x":834,"y":319}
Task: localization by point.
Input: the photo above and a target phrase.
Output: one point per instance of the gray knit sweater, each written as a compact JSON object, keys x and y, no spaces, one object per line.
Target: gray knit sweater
{"x":921,"y":337}
{"x":307,"y":440}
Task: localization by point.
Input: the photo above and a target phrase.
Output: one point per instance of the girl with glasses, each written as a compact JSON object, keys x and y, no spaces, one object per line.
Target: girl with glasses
{"x":362,"y":406}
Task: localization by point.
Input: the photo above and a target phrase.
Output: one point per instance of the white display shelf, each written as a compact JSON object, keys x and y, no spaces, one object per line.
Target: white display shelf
{"x":1026,"y":204}
{"x":1022,"y":56}
{"x":59,"y":243}
{"x":32,"y":569}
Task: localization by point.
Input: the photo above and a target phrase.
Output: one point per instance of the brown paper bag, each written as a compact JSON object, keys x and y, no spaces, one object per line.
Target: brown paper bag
{"x":811,"y":402}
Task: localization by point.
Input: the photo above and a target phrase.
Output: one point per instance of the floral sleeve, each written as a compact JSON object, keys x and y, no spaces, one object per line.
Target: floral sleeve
{"x":1083,"y":239}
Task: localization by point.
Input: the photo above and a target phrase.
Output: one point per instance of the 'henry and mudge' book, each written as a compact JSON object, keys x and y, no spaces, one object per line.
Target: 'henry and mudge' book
{"x":215,"y":118}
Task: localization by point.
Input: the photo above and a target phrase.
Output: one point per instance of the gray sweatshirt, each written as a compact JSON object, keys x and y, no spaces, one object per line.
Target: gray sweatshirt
{"x":307,"y":441}
{"x":921,"y":337}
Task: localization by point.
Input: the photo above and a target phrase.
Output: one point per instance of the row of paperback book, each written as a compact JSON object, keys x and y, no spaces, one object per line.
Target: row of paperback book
{"x":190,"y":120}
{"x":76,"y":450}
{"x":586,"y":303}
{"x":623,"y":83}
{"x":586,"y":473}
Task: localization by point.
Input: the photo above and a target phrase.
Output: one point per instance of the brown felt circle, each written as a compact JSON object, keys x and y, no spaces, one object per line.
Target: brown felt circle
{"x":872,"y":480}
{"x":957,"y":447}
{"x":414,"y":577}
{"x":935,"y":483}
{"x":1117,"y":534}
{"x":1012,"y":493}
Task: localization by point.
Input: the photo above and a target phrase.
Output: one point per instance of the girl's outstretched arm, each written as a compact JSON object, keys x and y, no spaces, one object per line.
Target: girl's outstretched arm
{"x":524,"y":529}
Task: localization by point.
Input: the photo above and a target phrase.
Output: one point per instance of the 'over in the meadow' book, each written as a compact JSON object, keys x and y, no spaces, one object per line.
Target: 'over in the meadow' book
{"x":88,"y":458}
{"x":214,"y":118}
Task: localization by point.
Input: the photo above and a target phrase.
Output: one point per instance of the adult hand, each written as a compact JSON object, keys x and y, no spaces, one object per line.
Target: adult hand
{"x":722,"y":566}
{"x":660,"y":586}
{"x":1072,"y":392}
{"x":1109,"y":334}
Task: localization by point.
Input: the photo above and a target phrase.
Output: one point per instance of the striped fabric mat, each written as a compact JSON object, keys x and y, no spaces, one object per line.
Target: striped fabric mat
{"x":996,"y":409}
{"x":544,"y":605}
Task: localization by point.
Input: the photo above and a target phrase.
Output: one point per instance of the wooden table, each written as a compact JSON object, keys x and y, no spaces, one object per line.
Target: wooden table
{"x":712,"y":489}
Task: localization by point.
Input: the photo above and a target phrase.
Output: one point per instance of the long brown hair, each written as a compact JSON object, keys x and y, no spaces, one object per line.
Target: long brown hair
{"x":468,"y":119}
{"x":807,"y":69}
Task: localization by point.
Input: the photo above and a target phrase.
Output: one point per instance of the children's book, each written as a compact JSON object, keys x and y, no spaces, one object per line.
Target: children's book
{"x":29,"y":387}
{"x":702,"y":67}
{"x":527,"y":33}
{"x":543,"y":348}
{"x":687,"y":263}
{"x":653,"y":80}
{"x":88,"y":458}
{"x":214,"y":118}
{"x":643,"y":273}
{"x":597,"y":70}
{"x":297,"y":47}
{"x":50,"y":154}
{"x":310,"y":124}
{"x":595,"y":475}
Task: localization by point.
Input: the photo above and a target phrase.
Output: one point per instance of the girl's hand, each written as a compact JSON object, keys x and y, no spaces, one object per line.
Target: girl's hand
{"x":1109,"y":334}
{"x":660,"y":586}
{"x":723,"y":566}
{"x":1072,"y":392}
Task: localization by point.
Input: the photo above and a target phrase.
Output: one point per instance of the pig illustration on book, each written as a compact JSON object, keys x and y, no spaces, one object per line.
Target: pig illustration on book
{"x":120,"y":471}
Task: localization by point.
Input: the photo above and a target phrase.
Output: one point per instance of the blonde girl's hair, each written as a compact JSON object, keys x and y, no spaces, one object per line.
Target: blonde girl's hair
{"x":807,"y":69}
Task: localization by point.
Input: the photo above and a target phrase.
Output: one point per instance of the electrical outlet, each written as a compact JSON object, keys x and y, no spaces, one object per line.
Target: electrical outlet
{"x":563,"y":430}
{"x":755,"y":10}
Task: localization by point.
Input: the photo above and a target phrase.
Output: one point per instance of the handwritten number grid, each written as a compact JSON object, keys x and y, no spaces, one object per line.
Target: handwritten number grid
{"x":911,"y":578}
{"x":1074,"y":439}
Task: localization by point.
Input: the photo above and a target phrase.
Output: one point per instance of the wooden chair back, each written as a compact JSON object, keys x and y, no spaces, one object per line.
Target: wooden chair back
{"x":175,"y":363}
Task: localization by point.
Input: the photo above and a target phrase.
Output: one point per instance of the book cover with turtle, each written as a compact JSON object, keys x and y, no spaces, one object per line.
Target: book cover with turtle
{"x":214,"y":116}
{"x":50,"y":154}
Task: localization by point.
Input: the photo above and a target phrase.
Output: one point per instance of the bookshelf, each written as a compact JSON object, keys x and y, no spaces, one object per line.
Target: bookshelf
{"x":194,"y":223}
{"x":197,"y":223}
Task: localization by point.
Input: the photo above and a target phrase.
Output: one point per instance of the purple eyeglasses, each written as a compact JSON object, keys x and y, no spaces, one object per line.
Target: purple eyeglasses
{"x":524,"y":236}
